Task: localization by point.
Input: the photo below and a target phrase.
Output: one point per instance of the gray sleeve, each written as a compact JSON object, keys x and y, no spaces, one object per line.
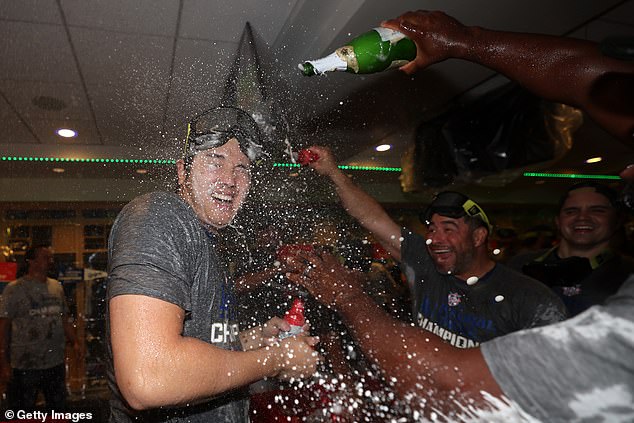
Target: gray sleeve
{"x":577,"y":370}
{"x":150,"y":247}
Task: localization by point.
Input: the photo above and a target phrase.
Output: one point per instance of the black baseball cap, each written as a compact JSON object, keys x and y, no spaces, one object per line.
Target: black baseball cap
{"x":455,"y":205}
{"x":214,"y":127}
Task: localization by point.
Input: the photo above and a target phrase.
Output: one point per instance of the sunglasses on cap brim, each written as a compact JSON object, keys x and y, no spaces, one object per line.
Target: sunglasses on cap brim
{"x":468,"y":208}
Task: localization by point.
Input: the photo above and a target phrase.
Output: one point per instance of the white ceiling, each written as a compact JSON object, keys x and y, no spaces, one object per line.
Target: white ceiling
{"x":130,"y":73}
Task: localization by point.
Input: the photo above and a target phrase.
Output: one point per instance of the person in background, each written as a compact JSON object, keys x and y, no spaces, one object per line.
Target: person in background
{"x":174,"y":345}
{"x":36,"y":326}
{"x":458,"y":292}
{"x":582,"y":269}
{"x":579,"y":369}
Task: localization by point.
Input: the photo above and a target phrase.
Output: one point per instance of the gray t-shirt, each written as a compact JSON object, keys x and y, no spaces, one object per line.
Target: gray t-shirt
{"x":581,"y":369}
{"x":159,"y":248}
{"x":37,"y":311}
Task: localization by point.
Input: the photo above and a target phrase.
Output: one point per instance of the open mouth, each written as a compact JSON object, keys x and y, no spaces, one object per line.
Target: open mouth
{"x":222,"y":200}
{"x":441,"y":251}
{"x":583,"y":228}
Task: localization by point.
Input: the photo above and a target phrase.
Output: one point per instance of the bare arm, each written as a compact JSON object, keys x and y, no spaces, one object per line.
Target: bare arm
{"x":418,"y":362}
{"x":359,"y":204}
{"x":559,"y":69}
{"x":156,"y":366}
{"x":252,"y":280}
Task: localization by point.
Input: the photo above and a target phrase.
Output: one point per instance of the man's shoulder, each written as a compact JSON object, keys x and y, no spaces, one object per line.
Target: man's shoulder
{"x":54,"y":283}
{"x":627,"y":262}
{"x":516,"y":262}
{"x":155,"y":206}
{"x":156,"y":199}
{"x":516,"y":279}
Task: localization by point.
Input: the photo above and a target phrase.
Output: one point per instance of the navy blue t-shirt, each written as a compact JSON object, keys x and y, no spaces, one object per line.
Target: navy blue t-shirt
{"x":500,"y":302}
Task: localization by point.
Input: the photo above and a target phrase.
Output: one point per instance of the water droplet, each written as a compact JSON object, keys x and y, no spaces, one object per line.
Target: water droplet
{"x":496,"y":251}
{"x":499,"y":298}
{"x":472,"y":280}
{"x":428,"y":241}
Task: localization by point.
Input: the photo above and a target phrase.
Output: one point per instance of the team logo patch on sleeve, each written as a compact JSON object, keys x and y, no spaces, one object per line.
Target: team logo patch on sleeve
{"x":453,"y":299}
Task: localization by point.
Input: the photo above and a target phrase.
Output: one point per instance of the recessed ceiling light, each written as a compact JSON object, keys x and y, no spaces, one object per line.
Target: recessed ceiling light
{"x":66,"y":133}
{"x":141,"y":171}
{"x":594,"y":160}
{"x":58,"y":170}
{"x":383,"y":147}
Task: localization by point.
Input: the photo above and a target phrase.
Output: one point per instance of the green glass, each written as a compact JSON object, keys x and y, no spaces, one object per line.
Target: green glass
{"x":368,"y":53}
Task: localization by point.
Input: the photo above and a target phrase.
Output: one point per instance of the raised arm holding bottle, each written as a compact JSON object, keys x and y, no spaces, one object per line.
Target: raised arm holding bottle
{"x":567,"y":70}
{"x":573,"y":370}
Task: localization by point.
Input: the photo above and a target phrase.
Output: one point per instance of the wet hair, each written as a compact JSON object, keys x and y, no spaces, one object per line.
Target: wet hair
{"x":599,"y":188}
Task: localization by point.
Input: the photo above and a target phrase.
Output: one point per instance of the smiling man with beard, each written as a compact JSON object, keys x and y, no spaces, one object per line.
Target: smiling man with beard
{"x":174,"y":345}
{"x":458,"y":292}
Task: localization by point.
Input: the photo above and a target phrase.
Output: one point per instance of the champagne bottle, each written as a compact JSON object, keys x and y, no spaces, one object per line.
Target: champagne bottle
{"x":374,"y":51}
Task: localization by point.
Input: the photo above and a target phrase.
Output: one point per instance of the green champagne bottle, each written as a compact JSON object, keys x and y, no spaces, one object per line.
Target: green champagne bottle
{"x":374,"y":51}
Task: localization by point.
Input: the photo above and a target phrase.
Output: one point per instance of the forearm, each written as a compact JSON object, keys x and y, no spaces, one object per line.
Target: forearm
{"x":368,"y":212}
{"x":250,"y":281}
{"x":560,"y":69}
{"x":189,"y":371}
{"x":418,"y":362}
{"x":555,"y":68}
{"x":69,"y":332}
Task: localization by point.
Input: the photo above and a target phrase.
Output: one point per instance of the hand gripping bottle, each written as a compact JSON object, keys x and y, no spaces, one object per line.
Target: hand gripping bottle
{"x":306,"y":156}
{"x":374,"y":51}
{"x":295,"y":317}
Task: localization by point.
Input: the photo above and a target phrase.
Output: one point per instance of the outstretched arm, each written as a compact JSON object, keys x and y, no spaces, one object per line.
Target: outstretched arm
{"x":417,"y":362}
{"x":359,"y":204}
{"x":565,"y":70}
{"x":155,"y":365}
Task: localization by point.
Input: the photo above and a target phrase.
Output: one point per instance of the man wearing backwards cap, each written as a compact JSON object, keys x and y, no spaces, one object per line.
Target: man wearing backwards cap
{"x":582,"y":269}
{"x":175,"y":350}
{"x":458,"y":292}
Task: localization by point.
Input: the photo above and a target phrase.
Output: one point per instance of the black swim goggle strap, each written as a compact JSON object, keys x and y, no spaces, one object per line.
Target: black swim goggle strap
{"x":214,"y":127}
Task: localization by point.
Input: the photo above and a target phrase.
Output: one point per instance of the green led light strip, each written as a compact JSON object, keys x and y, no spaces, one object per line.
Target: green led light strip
{"x":347,"y":167}
{"x":164,"y":162}
{"x":74,"y":160}
{"x":570,"y":175}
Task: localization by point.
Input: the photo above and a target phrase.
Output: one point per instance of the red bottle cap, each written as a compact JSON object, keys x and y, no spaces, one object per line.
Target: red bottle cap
{"x":306,"y":156}
{"x":295,"y":316}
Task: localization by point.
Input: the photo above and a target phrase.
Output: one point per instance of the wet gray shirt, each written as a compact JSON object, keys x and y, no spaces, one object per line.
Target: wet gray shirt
{"x":158,"y":248}
{"x":581,"y":369}
{"x":36,"y":310}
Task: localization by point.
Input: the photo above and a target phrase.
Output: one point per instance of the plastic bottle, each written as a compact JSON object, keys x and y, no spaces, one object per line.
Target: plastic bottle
{"x":373,"y":51}
{"x":295,"y":317}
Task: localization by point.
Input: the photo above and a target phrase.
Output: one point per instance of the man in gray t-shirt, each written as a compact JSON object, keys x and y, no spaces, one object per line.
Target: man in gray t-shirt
{"x":578,"y":370}
{"x":175,"y":350}
{"x":35,"y":324}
